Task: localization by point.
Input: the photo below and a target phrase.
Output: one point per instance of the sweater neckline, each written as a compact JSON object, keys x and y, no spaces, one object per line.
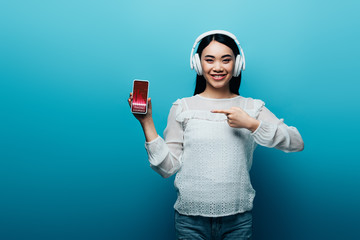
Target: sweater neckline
{"x":217,"y":99}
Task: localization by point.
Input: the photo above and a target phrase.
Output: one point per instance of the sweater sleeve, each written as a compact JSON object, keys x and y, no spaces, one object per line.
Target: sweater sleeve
{"x":165,"y":153}
{"x":273,"y":132}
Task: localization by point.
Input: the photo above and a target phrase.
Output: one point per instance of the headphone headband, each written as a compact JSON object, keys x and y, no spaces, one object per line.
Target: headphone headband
{"x":229,"y":34}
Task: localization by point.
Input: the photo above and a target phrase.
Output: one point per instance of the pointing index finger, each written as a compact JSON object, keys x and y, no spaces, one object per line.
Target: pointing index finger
{"x":221,"y":111}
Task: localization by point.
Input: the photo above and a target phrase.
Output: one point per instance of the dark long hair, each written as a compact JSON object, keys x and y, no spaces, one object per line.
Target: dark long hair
{"x":228,"y":41}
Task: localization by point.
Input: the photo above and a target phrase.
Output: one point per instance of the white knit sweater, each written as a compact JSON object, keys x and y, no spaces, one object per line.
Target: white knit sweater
{"x":212,"y":159}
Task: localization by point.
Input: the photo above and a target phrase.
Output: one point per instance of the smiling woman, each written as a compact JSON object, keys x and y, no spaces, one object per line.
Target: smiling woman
{"x":209,"y":143}
{"x":217,"y":62}
{"x":227,"y":55}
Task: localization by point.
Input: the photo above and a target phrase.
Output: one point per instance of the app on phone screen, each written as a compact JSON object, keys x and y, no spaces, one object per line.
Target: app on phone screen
{"x":140,"y":96}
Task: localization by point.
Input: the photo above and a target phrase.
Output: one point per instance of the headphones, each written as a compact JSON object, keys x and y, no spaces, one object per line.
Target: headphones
{"x":195,"y":59}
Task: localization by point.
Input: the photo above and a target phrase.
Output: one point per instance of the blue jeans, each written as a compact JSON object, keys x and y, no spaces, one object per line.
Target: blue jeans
{"x":238,"y":226}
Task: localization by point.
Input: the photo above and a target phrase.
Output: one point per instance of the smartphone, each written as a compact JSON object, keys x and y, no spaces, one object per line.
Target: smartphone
{"x":140,"y":96}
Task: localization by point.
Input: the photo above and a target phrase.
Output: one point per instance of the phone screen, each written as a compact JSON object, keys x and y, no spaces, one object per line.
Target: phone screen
{"x":140,"y":96}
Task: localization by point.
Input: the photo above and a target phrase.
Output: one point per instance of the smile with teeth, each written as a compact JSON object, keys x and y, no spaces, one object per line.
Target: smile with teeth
{"x":218,"y":76}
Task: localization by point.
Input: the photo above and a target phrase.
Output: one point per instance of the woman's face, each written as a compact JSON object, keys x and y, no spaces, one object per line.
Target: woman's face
{"x":217,"y":61}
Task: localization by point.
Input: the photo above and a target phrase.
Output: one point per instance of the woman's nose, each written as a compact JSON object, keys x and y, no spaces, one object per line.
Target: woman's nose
{"x":217,"y":67}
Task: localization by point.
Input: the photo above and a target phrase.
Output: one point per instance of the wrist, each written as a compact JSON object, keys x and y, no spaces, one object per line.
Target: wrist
{"x":149,"y":129}
{"x":254,"y":124}
{"x":146,"y":121}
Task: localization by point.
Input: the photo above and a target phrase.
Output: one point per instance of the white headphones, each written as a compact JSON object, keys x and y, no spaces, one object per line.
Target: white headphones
{"x":195,"y":59}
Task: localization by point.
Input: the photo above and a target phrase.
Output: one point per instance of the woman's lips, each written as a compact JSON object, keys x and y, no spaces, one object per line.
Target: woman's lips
{"x":218,"y":77}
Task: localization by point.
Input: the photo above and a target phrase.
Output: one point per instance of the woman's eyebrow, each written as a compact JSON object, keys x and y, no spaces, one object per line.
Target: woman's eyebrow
{"x":211,"y":56}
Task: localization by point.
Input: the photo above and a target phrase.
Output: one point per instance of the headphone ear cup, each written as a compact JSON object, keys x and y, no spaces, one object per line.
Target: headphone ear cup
{"x":197,"y":64}
{"x":238,"y":66}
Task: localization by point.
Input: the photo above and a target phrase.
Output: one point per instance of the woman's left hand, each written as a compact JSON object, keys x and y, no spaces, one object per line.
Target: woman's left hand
{"x":238,"y":118}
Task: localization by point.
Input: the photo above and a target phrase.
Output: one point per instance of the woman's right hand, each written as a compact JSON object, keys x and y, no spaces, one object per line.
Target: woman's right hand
{"x":142,"y":117}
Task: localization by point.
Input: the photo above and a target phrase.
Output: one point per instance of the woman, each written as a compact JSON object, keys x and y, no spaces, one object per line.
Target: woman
{"x":209,"y":143}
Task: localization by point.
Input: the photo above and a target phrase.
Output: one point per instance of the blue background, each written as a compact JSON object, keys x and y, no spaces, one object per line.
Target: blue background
{"x":72,"y":157}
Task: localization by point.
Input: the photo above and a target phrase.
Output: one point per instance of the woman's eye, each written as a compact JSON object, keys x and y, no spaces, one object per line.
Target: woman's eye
{"x":208,"y":60}
{"x":227,"y":60}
